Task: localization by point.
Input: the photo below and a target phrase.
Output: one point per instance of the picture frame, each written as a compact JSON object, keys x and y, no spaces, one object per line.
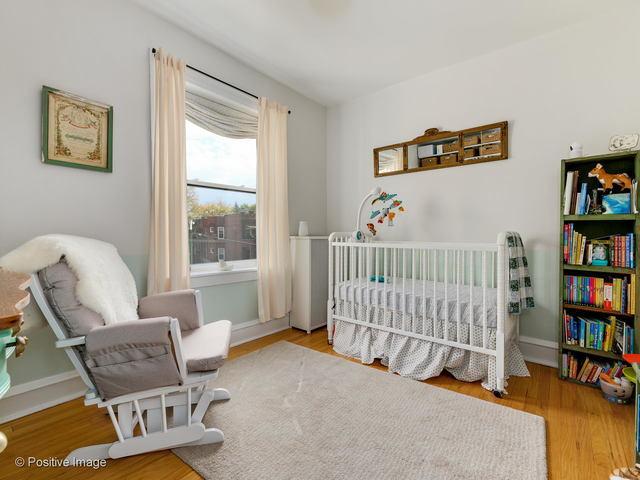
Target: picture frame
{"x":76,"y":132}
{"x":601,"y":252}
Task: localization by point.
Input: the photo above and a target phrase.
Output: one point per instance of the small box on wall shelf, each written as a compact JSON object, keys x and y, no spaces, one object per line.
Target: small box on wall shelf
{"x":493,"y":149}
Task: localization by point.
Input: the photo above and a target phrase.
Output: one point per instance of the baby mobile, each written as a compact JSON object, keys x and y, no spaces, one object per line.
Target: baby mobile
{"x":385,"y":207}
{"x":385,"y":211}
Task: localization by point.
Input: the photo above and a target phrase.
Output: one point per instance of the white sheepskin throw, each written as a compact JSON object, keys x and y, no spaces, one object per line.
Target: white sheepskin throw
{"x":105,"y":284}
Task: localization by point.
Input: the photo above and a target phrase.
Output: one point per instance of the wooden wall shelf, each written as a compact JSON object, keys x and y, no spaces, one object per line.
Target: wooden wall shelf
{"x":435,"y":149}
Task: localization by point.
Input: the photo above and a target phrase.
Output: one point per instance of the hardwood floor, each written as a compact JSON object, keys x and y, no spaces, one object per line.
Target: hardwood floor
{"x":586,"y":435}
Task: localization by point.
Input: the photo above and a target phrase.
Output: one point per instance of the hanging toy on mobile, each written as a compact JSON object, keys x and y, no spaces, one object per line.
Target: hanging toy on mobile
{"x":387,"y":208}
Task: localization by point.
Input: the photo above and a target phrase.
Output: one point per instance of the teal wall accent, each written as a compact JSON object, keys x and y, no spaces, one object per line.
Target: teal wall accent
{"x":237,"y":302}
{"x":41,"y":358}
{"x":542,"y":321}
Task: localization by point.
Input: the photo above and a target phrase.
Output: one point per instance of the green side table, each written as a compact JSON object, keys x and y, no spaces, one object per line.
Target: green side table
{"x":13,"y":299}
{"x":7,"y":347}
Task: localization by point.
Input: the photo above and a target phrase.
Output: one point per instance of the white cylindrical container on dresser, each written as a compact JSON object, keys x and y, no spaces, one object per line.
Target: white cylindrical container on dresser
{"x":303,"y":229}
{"x":309,"y":257}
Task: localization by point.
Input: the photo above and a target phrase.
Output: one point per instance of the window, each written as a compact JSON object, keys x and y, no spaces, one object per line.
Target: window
{"x":221,"y":198}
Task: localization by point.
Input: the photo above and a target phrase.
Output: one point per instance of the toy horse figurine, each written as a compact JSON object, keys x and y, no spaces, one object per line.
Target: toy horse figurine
{"x":608,"y":180}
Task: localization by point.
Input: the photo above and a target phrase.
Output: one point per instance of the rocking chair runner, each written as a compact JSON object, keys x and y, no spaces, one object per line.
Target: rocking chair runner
{"x":150,"y":373}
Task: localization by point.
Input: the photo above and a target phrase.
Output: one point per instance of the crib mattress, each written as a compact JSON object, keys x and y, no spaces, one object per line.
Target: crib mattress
{"x":365,"y":292}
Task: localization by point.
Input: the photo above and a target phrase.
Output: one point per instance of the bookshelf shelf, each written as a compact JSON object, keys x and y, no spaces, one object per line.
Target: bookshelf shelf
{"x":571,"y":380}
{"x":601,"y":311}
{"x":591,"y":351}
{"x":600,"y":218}
{"x":596,"y":227}
{"x":599,"y":269}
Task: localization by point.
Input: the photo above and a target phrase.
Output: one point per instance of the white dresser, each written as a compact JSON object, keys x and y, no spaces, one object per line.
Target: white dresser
{"x":309,"y":257}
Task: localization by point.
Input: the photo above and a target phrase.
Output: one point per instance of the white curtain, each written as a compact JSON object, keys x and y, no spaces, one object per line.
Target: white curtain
{"x":272,"y":213}
{"x":169,"y":247}
{"x":220,"y":118}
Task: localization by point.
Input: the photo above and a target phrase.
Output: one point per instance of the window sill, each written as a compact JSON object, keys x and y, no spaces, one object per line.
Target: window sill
{"x":210,"y":278}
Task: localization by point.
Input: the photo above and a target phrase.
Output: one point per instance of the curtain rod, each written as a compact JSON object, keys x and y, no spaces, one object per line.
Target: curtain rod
{"x":153,"y":50}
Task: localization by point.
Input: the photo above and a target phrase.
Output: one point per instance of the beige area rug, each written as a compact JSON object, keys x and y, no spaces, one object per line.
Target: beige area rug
{"x":300,"y":414}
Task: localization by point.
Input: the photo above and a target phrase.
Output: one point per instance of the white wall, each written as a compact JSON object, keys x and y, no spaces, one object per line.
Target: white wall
{"x":99,"y":49}
{"x":577,"y":84}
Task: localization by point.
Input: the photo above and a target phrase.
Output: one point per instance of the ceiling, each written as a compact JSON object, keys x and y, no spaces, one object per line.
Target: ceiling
{"x":336,"y":50}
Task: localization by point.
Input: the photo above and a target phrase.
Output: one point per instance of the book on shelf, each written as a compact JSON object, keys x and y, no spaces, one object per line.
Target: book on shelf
{"x":606,"y":335}
{"x":607,"y":293}
{"x":588,"y":370}
{"x":576,"y":195}
{"x":615,"y":250}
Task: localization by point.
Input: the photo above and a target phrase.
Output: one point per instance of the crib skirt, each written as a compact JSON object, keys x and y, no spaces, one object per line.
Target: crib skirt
{"x":421,"y":359}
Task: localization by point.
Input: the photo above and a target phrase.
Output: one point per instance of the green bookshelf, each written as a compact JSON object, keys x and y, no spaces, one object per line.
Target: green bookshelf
{"x":597,"y":226}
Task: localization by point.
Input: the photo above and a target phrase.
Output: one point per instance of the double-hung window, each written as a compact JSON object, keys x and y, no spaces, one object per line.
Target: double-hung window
{"x":221,"y":199}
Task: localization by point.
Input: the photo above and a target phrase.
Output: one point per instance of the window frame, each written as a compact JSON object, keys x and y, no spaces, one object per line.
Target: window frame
{"x":220,"y":231}
{"x":203,"y":274}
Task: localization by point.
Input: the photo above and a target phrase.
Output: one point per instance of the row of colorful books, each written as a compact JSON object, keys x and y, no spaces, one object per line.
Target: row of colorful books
{"x":588,"y":371}
{"x":574,"y":245}
{"x":615,"y":250}
{"x":623,"y":251}
{"x":608,"y":335}
{"x":614,"y":294}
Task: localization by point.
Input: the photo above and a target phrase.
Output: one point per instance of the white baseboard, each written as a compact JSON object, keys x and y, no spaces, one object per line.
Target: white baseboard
{"x":253,"y":329}
{"x":535,"y":350}
{"x":30,"y":397}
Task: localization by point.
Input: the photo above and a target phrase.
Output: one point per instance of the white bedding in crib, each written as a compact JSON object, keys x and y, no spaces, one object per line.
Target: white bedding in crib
{"x":372,"y":293}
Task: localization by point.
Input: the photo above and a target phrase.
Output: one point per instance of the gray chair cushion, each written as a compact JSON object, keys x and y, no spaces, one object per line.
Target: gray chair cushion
{"x":180,"y":304}
{"x":207,"y":347}
{"x":131,"y":356}
{"x":59,"y":284}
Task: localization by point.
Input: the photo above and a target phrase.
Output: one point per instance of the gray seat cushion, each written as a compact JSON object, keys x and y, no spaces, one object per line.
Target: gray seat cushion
{"x":207,"y":347}
{"x":59,"y":284}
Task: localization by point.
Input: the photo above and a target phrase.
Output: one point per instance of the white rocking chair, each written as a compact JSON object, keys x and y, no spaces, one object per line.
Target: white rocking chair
{"x":167,"y":416}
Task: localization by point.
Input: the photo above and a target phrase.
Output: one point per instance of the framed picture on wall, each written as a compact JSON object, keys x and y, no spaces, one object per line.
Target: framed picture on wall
{"x":76,"y":132}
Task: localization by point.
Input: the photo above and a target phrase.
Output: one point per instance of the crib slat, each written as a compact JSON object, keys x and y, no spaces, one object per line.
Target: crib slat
{"x":404,"y":289}
{"x":339,"y":271}
{"x":352,"y":266}
{"x":458,"y":273}
{"x":423,"y":275}
{"x":368,"y":300}
{"x":493,"y":270}
{"x":413,"y":290}
{"x":345,"y":262}
{"x":394,"y":276}
{"x":359,"y":253}
{"x":484,"y":299}
{"x":434,"y":300}
{"x":446,"y":294}
{"x":384,"y":283}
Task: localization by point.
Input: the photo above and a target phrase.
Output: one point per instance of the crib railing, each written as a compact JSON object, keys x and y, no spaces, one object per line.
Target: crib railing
{"x":409,"y":268}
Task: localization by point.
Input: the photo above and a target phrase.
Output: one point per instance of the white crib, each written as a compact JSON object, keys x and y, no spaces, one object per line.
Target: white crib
{"x":451,"y":294}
